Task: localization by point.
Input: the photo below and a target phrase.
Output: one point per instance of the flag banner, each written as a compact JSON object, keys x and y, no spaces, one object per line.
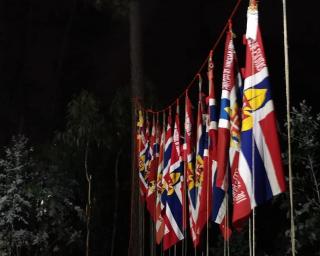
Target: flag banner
{"x":189,"y":158}
{"x":174,"y":189}
{"x":166,"y":166}
{"x":152,"y":168}
{"x":201,"y":153}
{"x":260,"y":161}
{"x":159,"y":219}
{"x":217,"y":197}
{"x":142,"y":155}
{"x":229,"y":139}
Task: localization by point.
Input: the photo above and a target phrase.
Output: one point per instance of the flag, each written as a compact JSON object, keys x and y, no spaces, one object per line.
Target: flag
{"x":188,"y":158}
{"x":159,"y":219}
{"x":209,"y":195}
{"x":259,"y":162}
{"x":166,"y":166}
{"x":174,"y":191}
{"x":229,"y":137}
{"x":152,"y":168}
{"x":201,"y":153}
{"x":142,"y":151}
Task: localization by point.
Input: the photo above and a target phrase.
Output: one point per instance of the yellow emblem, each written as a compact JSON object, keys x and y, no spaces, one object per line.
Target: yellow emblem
{"x":199,"y":171}
{"x":174,"y":179}
{"x":190,"y":180}
{"x":254,"y":98}
{"x":140,"y":119}
{"x":141,"y":163}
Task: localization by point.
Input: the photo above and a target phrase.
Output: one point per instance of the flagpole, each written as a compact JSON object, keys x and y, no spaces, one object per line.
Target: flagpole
{"x":184,"y":211}
{"x":286,"y":58}
{"x":184,"y":206}
{"x":227,"y":220}
{"x":253,"y":5}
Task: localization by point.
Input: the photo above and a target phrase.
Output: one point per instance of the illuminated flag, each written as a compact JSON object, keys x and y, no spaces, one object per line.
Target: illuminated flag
{"x":229,"y":138}
{"x":188,"y":158}
{"x":209,"y":196}
{"x":174,"y":190}
{"x":201,"y":153}
{"x":166,"y":166}
{"x":152,"y":168}
{"x":260,"y":164}
{"x":159,"y":219}
{"x":142,"y":155}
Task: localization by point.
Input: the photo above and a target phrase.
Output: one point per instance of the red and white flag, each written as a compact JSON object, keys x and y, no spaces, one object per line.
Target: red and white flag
{"x":174,"y":191}
{"x":152,"y":168}
{"x":260,"y":164}
{"x":189,"y":169}
{"x":159,"y":219}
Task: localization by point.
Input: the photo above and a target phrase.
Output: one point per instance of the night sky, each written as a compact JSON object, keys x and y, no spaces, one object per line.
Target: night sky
{"x":49,"y":50}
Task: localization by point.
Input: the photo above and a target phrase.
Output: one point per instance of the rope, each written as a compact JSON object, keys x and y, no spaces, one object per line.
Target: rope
{"x":286,"y":58}
{"x":213,"y":48}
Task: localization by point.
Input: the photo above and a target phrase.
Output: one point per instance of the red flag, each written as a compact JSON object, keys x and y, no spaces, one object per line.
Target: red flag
{"x":260,"y":164}
{"x":229,"y":129}
{"x":188,"y":158}
{"x":142,"y":150}
{"x":159,"y":219}
{"x":152,"y":168}
{"x":174,"y":189}
{"x":201,"y":153}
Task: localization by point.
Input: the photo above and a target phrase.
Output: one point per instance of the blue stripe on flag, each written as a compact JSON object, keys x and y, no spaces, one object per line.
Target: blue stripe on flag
{"x":262,"y":186}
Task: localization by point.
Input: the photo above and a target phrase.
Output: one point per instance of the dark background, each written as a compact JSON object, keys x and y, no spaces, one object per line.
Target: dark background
{"x":50,"y":50}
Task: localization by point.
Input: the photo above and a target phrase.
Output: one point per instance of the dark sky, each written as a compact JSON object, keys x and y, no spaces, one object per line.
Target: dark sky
{"x":51,"y":49}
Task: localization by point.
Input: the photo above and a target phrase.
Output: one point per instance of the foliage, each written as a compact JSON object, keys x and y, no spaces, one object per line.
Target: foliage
{"x":120,"y":116}
{"x":85,"y":124}
{"x":306,"y":175}
{"x":36,"y":207}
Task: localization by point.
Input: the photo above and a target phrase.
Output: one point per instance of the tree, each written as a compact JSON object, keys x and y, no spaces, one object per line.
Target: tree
{"x":16,"y":202}
{"x":85,"y":127}
{"x":305,"y":136}
{"x":38,"y":214}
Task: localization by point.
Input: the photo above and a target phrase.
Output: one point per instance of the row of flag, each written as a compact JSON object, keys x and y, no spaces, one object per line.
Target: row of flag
{"x":229,"y":159}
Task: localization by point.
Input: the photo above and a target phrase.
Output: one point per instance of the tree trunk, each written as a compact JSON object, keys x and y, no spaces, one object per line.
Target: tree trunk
{"x":116,"y":202}
{"x":88,"y":205}
{"x":136,"y":93}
